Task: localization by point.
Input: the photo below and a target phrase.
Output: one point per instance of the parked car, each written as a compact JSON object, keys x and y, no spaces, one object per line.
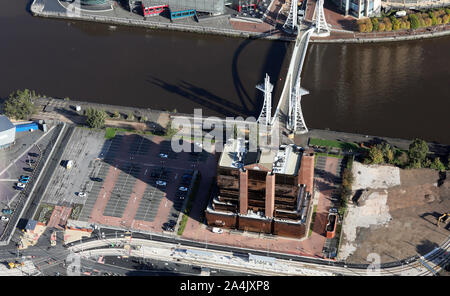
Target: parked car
{"x":28,"y":169}
{"x":161,"y":183}
{"x":24,"y":181}
{"x":7,"y":211}
{"x":217,"y":230}
{"x":97,"y":179}
{"x":24,"y":177}
{"x":32,"y":154}
{"x":163,"y":155}
{"x":5,"y":218}
{"x":20,"y":185}
{"x":184,"y":189}
{"x":82,"y":194}
{"x":30,"y":161}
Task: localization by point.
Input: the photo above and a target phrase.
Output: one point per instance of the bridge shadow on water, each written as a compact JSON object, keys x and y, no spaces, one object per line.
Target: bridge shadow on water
{"x":246,"y":104}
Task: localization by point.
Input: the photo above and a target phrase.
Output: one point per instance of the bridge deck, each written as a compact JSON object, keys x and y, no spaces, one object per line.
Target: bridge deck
{"x":294,"y":73}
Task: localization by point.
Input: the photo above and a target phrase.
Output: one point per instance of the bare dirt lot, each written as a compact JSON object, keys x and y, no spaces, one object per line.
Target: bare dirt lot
{"x":410,"y":216}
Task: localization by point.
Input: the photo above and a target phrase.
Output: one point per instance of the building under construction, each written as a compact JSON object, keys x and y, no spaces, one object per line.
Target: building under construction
{"x":267,"y":191}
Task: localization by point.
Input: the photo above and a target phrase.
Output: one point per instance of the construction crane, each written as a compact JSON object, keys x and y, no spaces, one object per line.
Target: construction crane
{"x":443,"y":218}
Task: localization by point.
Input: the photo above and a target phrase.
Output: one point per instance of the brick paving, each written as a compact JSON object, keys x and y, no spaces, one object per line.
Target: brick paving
{"x":311,"y":246}
{"x":59,"y":217}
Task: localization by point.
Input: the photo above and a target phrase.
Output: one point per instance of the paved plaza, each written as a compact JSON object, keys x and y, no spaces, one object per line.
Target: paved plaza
{"x":330,"y":167}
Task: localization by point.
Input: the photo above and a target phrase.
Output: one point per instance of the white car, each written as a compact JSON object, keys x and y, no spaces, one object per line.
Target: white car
{"x":5,"y":218}
{"x":82,"y":194}
{"x":162,"y":155}
{"x":217,"y":230}
{"x":183,"y":189}
{"x":20,"y":185}
{"x":161,"y":183}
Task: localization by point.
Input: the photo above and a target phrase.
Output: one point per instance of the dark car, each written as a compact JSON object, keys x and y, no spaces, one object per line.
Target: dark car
{"x":30,"y":161}
{"x":32,"y":154}
{"x":172,"y":222}
{"x":96,"y":179}
{"x":28,"y":169}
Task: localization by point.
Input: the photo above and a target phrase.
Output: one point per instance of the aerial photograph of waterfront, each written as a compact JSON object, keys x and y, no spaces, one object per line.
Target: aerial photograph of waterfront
{"x":247,"y":140}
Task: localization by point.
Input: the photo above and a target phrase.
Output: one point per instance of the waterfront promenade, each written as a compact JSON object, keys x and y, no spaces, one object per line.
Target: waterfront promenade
{"x":267,"y":27}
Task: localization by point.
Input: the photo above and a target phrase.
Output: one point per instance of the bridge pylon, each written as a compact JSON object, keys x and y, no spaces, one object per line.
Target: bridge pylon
{"x":321,"y":27}
{"x":291,"y":24}
{"x":266,"y":112}
{"x":296,"y":122}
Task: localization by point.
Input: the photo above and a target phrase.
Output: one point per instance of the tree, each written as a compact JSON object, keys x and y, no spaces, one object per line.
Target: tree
{"x":95,"y":118}
{"x":437,"y":165}
{"x":381,"y":27}
{"x":445,"y":19}
{"x":362,"y":28}
{"x":375,"y":24}
{"x":369,"y":26}
{"x":116,"y":115}
{"x":417,"y":153}
{"x":19,"y":105}
{"x":130,"y":116}
{"x":375,"y":156}
{"x":390,"y":156}
{"x":415,"y":24}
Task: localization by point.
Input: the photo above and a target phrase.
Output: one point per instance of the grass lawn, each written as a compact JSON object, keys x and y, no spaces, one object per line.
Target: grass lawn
{"x":189,"y":204}
{"x":110,"y":133}
{"x":331,"y":143}
{"x":313,"y":218}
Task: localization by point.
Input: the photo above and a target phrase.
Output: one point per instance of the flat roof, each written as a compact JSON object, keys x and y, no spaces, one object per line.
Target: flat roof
{"x":5,"y":123}
{"x":284,"y":160}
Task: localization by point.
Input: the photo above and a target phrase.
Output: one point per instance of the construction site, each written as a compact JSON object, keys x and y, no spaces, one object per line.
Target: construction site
{"x":398,"y":213}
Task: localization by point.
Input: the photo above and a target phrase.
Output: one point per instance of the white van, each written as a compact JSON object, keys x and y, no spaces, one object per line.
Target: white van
{"x":217,"y":230}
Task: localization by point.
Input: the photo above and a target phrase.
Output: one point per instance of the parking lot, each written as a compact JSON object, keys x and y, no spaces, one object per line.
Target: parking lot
{"x":142,"y":183}
{"x":66,"y":184}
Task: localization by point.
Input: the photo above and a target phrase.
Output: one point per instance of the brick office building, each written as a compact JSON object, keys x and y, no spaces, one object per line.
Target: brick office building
{"x":267,"y":191}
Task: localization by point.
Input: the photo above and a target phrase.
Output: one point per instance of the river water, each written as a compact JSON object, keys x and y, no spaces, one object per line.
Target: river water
{"x":393,"y":89}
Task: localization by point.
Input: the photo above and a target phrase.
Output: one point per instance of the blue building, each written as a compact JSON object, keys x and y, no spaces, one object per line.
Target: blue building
{"x":27,"y":127}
